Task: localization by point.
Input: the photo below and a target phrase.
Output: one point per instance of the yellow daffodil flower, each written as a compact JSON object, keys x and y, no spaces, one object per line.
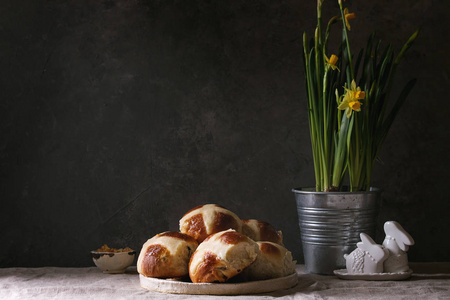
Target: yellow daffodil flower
{"x":351,"y":99}
{"x":348,"y":16}
{"x":331,"y":62}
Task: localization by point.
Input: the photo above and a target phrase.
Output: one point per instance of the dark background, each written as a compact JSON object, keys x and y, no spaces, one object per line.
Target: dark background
{"x":118,"y":116}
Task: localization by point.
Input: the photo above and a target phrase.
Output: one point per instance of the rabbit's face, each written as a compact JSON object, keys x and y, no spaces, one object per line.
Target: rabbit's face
{"x":394,"y":246}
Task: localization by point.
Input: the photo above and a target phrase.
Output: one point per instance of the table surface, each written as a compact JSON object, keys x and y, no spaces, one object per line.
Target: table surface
{"x":429,"y":281}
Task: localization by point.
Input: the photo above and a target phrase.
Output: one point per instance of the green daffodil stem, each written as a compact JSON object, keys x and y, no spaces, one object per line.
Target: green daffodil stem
{"x":319,"y":19}
{"x":369,"y":165}
{"x":358,"y":159}
{"x":407,"y":45}
{"x":320,"y":104}
{"x":340,"y":152}
{"x":332,"y":21}
{"x":310,"y":98}
{"x":347,"y":42}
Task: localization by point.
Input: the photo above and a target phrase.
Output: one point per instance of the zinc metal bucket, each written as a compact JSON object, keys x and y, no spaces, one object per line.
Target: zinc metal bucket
{"x":330,"y":224}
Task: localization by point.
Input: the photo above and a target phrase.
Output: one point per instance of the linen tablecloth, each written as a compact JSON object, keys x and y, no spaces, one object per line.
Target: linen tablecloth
{"x":429,"y":281}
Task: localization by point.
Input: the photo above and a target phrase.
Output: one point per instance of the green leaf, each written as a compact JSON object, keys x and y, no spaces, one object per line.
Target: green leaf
{"x":396,"y":108}
{"x":358,"y":61}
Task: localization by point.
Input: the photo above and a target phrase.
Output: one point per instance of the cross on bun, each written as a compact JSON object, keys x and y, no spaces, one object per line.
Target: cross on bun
{"x":166,"y":255}
{"x":222,"y":256}
{"x":204,"y":220}
{"x":261,"y":231}
{"x":273,"y":261}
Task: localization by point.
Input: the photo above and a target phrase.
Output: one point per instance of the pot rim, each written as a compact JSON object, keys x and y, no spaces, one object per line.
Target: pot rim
{"x":312,"y":190}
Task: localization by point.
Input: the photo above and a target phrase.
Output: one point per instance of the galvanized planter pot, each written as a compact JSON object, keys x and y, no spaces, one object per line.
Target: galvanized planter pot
{"x":330,"y":224}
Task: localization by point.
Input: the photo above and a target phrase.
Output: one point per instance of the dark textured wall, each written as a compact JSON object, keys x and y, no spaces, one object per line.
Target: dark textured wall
{"x":117,"y":116}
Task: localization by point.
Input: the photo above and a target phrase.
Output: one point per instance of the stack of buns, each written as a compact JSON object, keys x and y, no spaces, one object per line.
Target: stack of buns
{"x":215,"y":245}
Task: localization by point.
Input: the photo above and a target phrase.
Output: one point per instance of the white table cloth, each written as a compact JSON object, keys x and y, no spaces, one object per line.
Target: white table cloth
{"x":429,"y":281}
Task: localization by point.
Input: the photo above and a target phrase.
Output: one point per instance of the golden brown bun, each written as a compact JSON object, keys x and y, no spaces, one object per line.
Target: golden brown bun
{"x":273,"y":261}
{"x":222,"y":256}
{"x":166,"y":255}
{"x":261,"y":231}
{"x":204,"y":220}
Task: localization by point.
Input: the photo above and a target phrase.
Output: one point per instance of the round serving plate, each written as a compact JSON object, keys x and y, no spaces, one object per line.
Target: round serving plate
{"x":174,"y":286}
{"x":343,"y":274}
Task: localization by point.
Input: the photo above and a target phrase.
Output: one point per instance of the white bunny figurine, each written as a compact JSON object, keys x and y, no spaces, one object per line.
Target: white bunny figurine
{"x":397,"y":241}
{"x":367,"y":258}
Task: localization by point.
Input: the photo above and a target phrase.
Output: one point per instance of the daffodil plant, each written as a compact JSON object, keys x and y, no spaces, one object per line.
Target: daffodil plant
{"x":350,"y":109}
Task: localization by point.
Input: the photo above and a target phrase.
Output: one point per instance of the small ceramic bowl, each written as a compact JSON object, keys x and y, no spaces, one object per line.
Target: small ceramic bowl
{"x":113,"y":262}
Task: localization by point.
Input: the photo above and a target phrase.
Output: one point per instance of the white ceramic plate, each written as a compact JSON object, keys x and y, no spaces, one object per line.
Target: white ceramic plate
{"x":252,"y":287}
{"x":373,"y":276}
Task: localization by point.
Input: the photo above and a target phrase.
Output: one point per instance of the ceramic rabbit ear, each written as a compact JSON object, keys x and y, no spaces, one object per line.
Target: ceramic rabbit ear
{"x":402,"y":238}
{"x":361,"y":245}
{"x":365,"y":242}
{"x":366,"y":239}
